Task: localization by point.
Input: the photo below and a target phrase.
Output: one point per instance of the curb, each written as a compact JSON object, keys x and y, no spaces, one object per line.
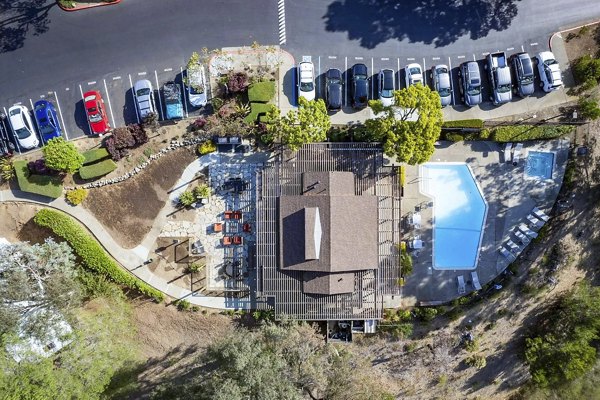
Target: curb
{"x":565,"y":30}
{"x":84,"y":7}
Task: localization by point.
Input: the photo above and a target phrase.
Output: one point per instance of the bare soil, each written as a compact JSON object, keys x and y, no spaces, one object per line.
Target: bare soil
{"x":127,"y":209}
{"x":582,"y":41}
{"x":17,"y":223}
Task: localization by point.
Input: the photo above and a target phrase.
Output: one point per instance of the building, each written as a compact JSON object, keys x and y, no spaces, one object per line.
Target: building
{"x":327,"y":229}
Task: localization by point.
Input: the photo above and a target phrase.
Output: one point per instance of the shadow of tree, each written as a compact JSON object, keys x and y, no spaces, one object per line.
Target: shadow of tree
{"x":434,"y":22}
{"x":21,"y":17}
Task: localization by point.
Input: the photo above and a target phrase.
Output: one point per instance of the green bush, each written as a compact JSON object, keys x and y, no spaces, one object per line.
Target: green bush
{"x":76,"y":196}
{"x":7,"y":170}
{"x":97,"y":170}
{"x":206,"y":147}
{"x":476,"y":361}
{"x":426,"y":313}
{"x":187,"y":198}
{"x":45,"y":185}
{"x":90,"y":252}
{"x":182,"y":305}
{"x":202,"y":191}
{"x":464,"y":123}
{"x":586,"y":71}
{"x":406,"y":263}
{"x":513,"y":133}
{"x":256,"y":110}
{"x":261,"y":92}
{"x":588,"y":108}
{"x":91,"y":156}
{"x":454,"y":137}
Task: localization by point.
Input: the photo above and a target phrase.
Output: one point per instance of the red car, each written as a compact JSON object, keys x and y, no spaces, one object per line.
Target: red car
{"x":96,"y":112}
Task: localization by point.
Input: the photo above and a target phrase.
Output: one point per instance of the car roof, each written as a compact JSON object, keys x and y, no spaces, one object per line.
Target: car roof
{"x":334,"y":73}
{"x":306,"y":66}
{"x":526,"y":63}
{"x":388,"y":79}
{"x":142,"y":84}
{"x":335,"y":95}
{"x":359,"y":69}
{"x":444,"y":80}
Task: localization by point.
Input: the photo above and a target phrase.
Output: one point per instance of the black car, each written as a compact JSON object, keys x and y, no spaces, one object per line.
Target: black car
{"x":524,"y":72}
{"x":333,"y":89}
{"x":360,"y":86}
{"x":6,"y":146}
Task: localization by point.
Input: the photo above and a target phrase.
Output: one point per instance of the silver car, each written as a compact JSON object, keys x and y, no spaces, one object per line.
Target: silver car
{"x":441,"y":83}
{"x":22,"y":126}
{"x":196,"y":86}
{"x":144,"y":98}
{"x":470,"y":83}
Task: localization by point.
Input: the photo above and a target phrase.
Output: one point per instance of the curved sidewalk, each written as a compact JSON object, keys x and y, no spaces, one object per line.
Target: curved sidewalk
{"x":133,"y":259}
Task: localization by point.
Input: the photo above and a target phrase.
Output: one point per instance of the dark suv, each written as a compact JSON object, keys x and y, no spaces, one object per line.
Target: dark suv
{"x":524,"y":72}
{"x":360,"y":86}
{"x":333,"y":89}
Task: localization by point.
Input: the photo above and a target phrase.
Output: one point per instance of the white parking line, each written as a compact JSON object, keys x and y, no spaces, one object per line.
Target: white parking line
{"x":134,"y":102}
{"x":435,"y":58}
{"x":319,"y":78}
{"x":167,"y":69}
{"x":398,"y":65}
{"x":358,"y":58}
{"x":142,"y":73}
{"x":61,"y":115}
{"x":510,"y":49}
{"x":485,"y":53}
{"x":86,"y":117}
{"x":183,"y":93}
{"x":67,"y":89}
{"x":281,"y":18}
{"x":158,"y":91}
{"x":116,"y":78}
{"x":109,"y":105}
{"x":385,"y":59}
{"x":92,"y":83}
{"x":410,"y":59}
{"x":13,"y":132}
{"x":474,"y":58}
{"x":451,"y":80}
{"x":522,"y":48}
{"x":36,"y":123}
{"x":42,"y":96}
{"x":534,"y":44}
{"x":460,"y":57}
{"x":347,"y":88}
{"x":424,"y":72}
{"x":372,"y":80}
{"x":332,"y":57}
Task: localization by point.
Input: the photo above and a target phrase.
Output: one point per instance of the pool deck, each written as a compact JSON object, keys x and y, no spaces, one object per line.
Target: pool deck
{"x":510,"y":194}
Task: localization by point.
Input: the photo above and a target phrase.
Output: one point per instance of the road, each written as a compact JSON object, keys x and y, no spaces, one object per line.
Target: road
{"x":48,"y":53}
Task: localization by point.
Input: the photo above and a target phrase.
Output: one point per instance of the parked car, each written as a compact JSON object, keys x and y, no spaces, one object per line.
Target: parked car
{"x":470,"y":83}
{"x":524,"y":73}
{"x":6,"y":146}
{"x":500,"y":79}
{"x":47,"y":120}
{"x":333,"y":89}
{"x":387,"y":85}
{"x":22,"y":126}
{"x":173,"y":103}
{"x":413,"y":74}
{"x":196,"y":86}
{"x":96,"y":112}
{"x":441,"y":83}
{"x":306,"y":80}
{"x":360,"y":86}
{"x":549,"y":70}
{"x":144,"y":98}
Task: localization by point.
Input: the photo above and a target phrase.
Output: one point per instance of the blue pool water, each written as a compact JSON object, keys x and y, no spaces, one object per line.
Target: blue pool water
{"x":540,"y":164}
{"x":459,"y":213}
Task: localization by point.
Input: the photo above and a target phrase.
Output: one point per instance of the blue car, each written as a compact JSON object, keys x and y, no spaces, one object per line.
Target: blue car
{"x":173,"y":102}
{"x":47,"y":120}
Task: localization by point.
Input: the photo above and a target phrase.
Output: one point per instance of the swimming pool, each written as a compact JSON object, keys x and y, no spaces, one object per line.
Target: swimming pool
{"x":540,"y":164}
{"x":459,"y":213}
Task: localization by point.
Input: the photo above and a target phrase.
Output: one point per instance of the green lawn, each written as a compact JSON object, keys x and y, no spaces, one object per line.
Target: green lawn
{"x":97,"y":170}
{"x":45,"y":185}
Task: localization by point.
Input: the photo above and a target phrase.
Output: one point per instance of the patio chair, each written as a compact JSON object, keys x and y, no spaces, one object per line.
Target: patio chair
{"x":540,"y":214}
{"x":237,"y":215}
{"x":510,"y":245}
{"x":226,"y":240}
{"x":475,"y":280}
{"x":228,"y":214}
{"x":247,"y":227}
{"x":217,"y":227}
{"x":534,"y":222}
{"x":517,"y":153}
{"x":522,"y":237}
{"x":525,"y":229}
{"x":462,"y":289}
{"x":507,"y":254}
{"x":238,"y":240}
{"x":415,"y":220}
{"x":507,"y":152}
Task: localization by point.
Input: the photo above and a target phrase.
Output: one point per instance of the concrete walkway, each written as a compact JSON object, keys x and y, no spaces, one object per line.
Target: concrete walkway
{"x":133,"y":259}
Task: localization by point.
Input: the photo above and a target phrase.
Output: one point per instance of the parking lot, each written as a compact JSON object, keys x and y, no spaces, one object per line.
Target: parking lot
{"x":117,"y":92}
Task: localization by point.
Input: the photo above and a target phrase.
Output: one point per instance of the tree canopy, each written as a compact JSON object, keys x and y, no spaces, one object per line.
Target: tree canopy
{"x":61,"y":155}
{"x":310,"y":123}
{"x":408,"y":130}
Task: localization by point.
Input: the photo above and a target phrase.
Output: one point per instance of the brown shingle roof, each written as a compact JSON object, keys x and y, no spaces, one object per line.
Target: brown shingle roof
{"x":318,"y":283}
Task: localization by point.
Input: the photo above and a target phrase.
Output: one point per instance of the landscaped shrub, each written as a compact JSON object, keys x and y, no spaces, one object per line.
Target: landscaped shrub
{"x":45,"y":185}
{"x":406,"y":263}
{"x":187,"y":198}
{"x":91,"y":156}
{"x":202,"y":192}
{"x":198,"y":124}
{"x":182,"y":305}
{"x":476,"y":361}
{"x":464,"y":123}
{"x":91,"y":252}
{"x":237,"y":82}
{"x":515,"y":133}
{"x":7,"y":170}
{"x":61,"y":155}
{"x":207,"y":147}
{"x":76,"y":196}
{"x":39,"y":167}
{"x":261,"y":92}
{"x":454,"y":137}
{"x":124,"y":138}
{"x":97,"y":170}
{"x":588,"y":108}
{"x":256,"y":110}
{"x":426,"y":313}
{"x":586,"y":71}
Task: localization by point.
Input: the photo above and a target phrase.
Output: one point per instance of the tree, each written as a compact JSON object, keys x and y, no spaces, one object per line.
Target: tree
{"x":408,"y":130}
{"x":307,"y":125}
{"x":61,"y":155}
{"x":589,"y":108}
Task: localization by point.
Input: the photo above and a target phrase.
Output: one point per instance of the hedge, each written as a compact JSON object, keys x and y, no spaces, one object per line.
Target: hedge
{"x":510,"y":133}
{"x":91,"y":156}
{"x":91,"y":253}
{"x":46,"y":185}
{"x":256,"y":109}
{"x":97,"y":170}
{"x":464,"y":123}
{"x":261,"y":92}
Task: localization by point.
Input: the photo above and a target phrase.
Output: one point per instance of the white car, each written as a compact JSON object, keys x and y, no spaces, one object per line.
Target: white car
{"x":144,"y":97}
{"x":549,"y":70}
{"x":386,"y":87}
{"x":413,"y":74}
{"x":196,"y":86}
{"x":22,"y":126}
{"x":441,"y":83}
{"x":306,"y":80}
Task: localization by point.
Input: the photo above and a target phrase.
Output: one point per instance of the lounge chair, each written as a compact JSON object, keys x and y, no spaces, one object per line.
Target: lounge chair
{"x":475,"y":280}
{"x":510,"y":245}
{"x":415,"y":220}
{"x":228,"y":214}
{"x":462,"y":289}
{"x":525,"y":229}
{"x":507,"y":254}
{"x":238,"y":240}
{"x":534,"y":222}
{"x":522,"y":237}
{"x":217,"y":227}
{"x":507,"y":152}
{"x":517,"y":153}
{"x":540,"y":214}
{"x":226,"y":240}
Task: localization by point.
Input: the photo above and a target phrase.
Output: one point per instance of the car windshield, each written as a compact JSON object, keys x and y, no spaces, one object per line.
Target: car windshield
{"x":386,"y":93}
{"x":473,"y":90}
{"x":526,"y":80}
{"x":550,"y":61}
{"x":503,"y":88}
{"x":360,"y":77}
{"x":334,"y":80}
{"x":46,"y":129}
{"x":441,"y":71}
{"x":307,"y":86}
{"x":143,"y":92}
{"x":444,"y":92}
{"x":417,"y":81}
{"x":22,"y":133}
{"x":95,"y":116}
{"x":415,"y":71}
